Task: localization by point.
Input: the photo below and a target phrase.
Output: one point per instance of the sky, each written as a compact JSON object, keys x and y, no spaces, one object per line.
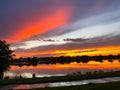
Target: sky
{"x":45,"y":28}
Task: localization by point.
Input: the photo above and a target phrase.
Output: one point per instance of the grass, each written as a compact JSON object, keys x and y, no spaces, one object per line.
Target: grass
{"x":59,"y":78}
{"x":103,"y":86}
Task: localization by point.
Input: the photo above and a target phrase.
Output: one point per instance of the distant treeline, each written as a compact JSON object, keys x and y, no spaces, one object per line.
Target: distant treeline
{"x":64,"y":59}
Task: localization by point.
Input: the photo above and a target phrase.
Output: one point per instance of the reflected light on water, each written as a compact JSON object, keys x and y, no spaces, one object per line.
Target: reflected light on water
{"x":67,"y":83}
{"x":42,"y":70}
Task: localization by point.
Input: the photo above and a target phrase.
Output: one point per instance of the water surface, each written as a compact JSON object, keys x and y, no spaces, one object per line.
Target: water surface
{"x":42,"y":70}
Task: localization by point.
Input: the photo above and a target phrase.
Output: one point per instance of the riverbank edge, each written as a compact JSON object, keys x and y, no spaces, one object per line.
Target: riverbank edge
{"x":91,"y":86}
{"x":76,"y":77}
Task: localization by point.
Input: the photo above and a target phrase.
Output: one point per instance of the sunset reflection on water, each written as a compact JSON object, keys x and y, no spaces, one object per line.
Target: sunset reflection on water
{"x":42,"y":70}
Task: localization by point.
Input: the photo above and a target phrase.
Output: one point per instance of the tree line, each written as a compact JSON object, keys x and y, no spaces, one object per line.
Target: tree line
{"x":64,"y":59}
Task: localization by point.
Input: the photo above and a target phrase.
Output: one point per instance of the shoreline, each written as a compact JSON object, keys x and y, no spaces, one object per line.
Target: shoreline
{"x":77,"y":77}
{"x":67,"y":84}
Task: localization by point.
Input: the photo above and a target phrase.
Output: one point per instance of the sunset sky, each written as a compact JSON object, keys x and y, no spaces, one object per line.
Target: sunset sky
{"x":61,"y":27}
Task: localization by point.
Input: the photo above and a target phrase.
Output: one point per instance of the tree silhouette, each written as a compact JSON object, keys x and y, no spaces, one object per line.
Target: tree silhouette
{"x":5,"y":57}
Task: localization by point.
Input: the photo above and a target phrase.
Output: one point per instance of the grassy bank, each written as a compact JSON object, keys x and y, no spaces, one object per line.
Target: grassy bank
{"x":59,"y":78}
{"x":103,"y":86}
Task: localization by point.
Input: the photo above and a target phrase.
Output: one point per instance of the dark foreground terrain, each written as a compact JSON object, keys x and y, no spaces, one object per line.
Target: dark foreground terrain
{"x":103,"y":86}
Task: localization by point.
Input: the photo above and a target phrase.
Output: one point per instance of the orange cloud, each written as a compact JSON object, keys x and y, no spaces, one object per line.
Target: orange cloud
{"x":57,"y":19}
{"x":30,"y":54}
{"x":76,"y":52}
{"x":89,"y":51}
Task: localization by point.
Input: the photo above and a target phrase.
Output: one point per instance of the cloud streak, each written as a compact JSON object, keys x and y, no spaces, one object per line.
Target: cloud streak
{"x":105,"y":19}
{"x":57,"y":19}
{"x":24,"y":24}
{"x":93,"y":43}
{"x":47,"y":27}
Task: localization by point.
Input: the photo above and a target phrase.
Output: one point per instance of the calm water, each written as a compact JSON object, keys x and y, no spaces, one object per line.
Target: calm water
{"x":42,"y":70}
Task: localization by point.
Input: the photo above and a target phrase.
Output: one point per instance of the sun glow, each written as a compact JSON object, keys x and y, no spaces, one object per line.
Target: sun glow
{"x":90,"y":51}
{"x":77,"y":52}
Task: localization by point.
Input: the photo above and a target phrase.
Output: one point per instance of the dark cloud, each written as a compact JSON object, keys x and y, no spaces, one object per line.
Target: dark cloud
{"x":75,"y":40}
{"x":93,"y":50}
{"x":48,"y":40}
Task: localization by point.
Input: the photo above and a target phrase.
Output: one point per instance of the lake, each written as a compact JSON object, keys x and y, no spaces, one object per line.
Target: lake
{"x":46,"y":70}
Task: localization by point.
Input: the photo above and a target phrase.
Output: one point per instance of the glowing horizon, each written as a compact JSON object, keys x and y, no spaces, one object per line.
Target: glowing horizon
{"x":80,"y":52}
